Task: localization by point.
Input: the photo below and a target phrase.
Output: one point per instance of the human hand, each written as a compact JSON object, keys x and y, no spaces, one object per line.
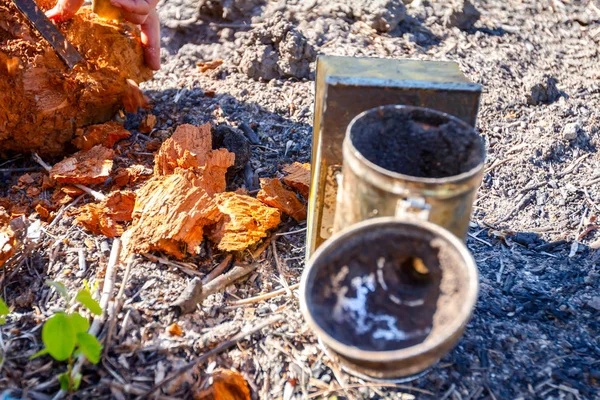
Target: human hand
{"x":139,"y":12}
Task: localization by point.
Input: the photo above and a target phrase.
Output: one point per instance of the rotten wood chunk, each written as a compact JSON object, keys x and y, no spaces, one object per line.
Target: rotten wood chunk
{"x":242,"y":221}
{"x":213,"y":173}
{"x":7,"y":237}
{"x":131,"y":175}
{"x":186,"y":148}
{"x":42,"y":102}
{"x":147,"y":123}
{"x":108,"y":216}
{"x":85,"y":167}
{"x":133,"y":98}
{"x":225,"y":385}
{"x":170,"y":215}
{"x":102,"y":134}
{"x":298,"y":177}
{"x":275,"y":195}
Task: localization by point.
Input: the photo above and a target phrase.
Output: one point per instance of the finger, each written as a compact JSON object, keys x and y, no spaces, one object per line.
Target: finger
{"x":64,"y":10}
{"x":151,"y":40}
{"x":134,"y":18}
{"x":136,"y":6}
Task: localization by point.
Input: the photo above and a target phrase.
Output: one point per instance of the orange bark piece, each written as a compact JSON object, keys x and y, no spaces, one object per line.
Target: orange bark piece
{"x":147,"y":123}
{"x":72,"y":191}
{"x":85,"y":167}
{"x":170,"y":215}
{"x":106,"y":134}
{"x":275,"y":195}
{"x":42,"y":211}
{"x":42,"y":101}
{"x":107,"y":217}
{"x":187,"y":148}
{"x":213,"y":173}
{"x":243,"y":221}
{"x":7,"y":237}
{"x":226,"y":385}
{"x":133,"y":98}
{"x":131,"y":175}
{"x":174,"y":329}
{"x":205,"y":66}
{"x":298,"y":177}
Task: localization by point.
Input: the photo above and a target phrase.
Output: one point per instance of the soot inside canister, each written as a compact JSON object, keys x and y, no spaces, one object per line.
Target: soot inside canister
{"x":417,"y":142}
{"x":377,"y":290}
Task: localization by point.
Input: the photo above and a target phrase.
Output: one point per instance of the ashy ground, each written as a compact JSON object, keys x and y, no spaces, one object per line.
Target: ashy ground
{"x":535,"y":333}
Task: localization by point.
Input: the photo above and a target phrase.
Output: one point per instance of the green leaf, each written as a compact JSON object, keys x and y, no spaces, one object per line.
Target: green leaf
{"x":3,"y":308}
{"x":64,"y":381}
{"x":85,"y":297}
{"x":3,"y":311}
{"x":40,"y":353}
{"x":77,"y":381}
{"x":80,"y":324}
{"x":60,"y":288}
{"x":58,"y":336}
{"x":90,"y":347}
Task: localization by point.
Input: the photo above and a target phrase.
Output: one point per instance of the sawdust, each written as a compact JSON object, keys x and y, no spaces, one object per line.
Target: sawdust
{"x":59,"y":100}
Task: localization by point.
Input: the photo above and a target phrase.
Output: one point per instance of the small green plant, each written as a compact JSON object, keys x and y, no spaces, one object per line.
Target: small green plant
{"x":65,"y":335}
{"x":4,"y":311}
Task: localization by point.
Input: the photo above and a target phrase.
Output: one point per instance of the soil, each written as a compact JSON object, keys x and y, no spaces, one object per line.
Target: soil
{"x":417,"y":144}
{"x":535,"y":330}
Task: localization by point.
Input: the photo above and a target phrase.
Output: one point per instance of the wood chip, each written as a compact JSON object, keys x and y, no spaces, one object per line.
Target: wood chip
{"x":147,"y":123}
{"x":174,"y":329}
{"x":187,"y":148}
{"x":206,"y":66}
{"x":131,"y":175}
{"x":298,"y":177}
{"x":226,"y":384}
{"x":103,"y":134}
{"x":275,"y":195}
{"x":7,"y":237}
{"x":107,"y":217}
{"x":85,"y":167}
{"x":133,"y":98}
{"x":243,"y":221}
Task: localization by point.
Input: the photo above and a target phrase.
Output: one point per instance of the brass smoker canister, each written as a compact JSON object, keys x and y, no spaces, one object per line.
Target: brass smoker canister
{"x":409,"y":161}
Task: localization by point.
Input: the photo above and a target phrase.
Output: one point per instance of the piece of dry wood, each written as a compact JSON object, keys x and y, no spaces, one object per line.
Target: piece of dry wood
{"x":187,"y":148}
{"x":85,"y":167}
{"x":222,"y":281}
{"x":106,"y":135}
{"x":190,"y":297}
{"x":218,"y":270}
{"x":243,"y":221}
{"x":7,"y":237}
{"x":220,"y":348}
{"x":298,"y":177}
{"x":42,"y":101}
{"x":107,"y":217}
{"x":266,"y":296}
{"x":275,"y":195}
{"x":205,"y":66}
{"x":147,"y":123}
{"x":131,"y":175}
{"x":225,"y":384}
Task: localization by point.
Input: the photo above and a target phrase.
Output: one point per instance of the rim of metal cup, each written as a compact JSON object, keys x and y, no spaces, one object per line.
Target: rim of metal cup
{"x":457,"y":324}
{"x":398,"y":176}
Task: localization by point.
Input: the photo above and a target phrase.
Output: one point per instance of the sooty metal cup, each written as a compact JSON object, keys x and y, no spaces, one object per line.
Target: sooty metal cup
{"x":401,"y":160}
{"x":388,"y":297}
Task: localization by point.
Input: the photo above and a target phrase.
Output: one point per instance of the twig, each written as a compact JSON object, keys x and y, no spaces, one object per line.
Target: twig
{"x":279,"y":269}
{"x":107,"y":289}
{"x":96,"y":195}
{"x":227,"y":279}
{"x":290,"y":232}
{"x":520,"y":205}
{"x":165,"y":261}
{"x":218,"y":270}
{"x":479,"y":239}
{"x":118,"y":304}
{"x":62,"y":211}
{"x":265,"y":296}
{"x":204,"y":357}
{"x":373,"y":385}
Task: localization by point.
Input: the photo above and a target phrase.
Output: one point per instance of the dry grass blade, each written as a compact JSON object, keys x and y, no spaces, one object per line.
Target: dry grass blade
{"x":265,"y":296}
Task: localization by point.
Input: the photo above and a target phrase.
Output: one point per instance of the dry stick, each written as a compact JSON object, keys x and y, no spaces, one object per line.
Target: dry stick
{"x":118,"y":304}
{"x":224,"y":280}
{"x":164,"y":261}
{"x":262,"y":297}
{"x":204,"y":357}
{"x":109,"y":284}
{"x":218,"y":270}
{"x":278,"y":263}
{"x":96,"y":195}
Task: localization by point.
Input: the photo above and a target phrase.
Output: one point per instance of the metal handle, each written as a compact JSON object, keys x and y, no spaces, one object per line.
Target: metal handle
{"x":413,"y":207}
